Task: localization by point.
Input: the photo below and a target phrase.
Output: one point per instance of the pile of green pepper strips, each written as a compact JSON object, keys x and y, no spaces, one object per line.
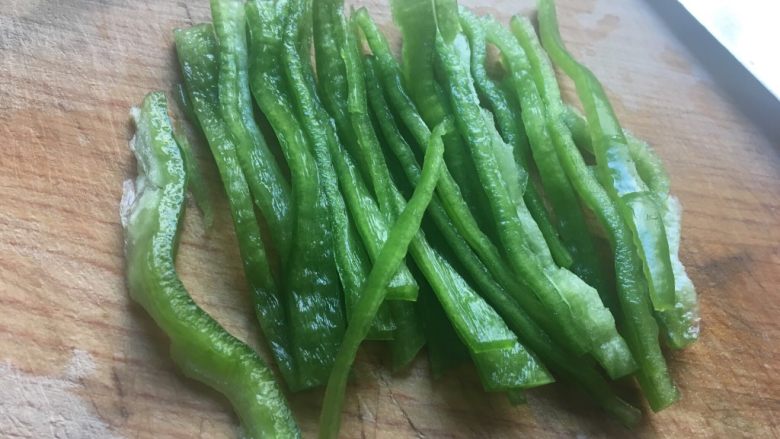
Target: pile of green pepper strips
{"x":504,"y":197}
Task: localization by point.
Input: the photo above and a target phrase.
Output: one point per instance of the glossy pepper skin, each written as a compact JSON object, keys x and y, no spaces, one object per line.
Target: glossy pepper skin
{"x":565,"y":295}
{"x":680,"y":324}
{"x":270,"y":190}
{"x":639,"y":326}
{"x":512,"y":132}
{"x":152,"y":209}
{"x":636,"y":204}
{"x":574,"y":228}
{"x":196,"y":48}
{"x":415,"y":21}
{"x":390,"y":258}
{"x":330,"y":29}
{"x":270,"y":89}
{"x":449,"y":210}
{"x":502,"y":362}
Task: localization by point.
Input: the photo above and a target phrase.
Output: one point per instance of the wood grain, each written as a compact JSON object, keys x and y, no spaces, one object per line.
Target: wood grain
{"x":69,"y":72}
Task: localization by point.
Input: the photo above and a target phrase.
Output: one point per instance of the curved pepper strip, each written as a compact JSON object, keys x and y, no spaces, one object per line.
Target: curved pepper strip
{"x":521,"y":315}
{"x":151,"y":211}
{"x":270,"y":90}
{"x":512,"y":133}
{"x":571,"y":221}
{"x":330,"y":29}
{"x":682,"y":323}
{"x":565,"y":295}
{"x":637,"y":205}
{"x":197,"y":182}
{"x":639,"y":326}
{"x":270,"y":189}
{"x":416,"y":22}
{"x":390,"y":258}
{"x":525,"y":66}
{"x":370,"y":222}
{"x":316,"y":317}
{"x":588,"y":265}
{"x":451,"y":201}
{"x":486,"y":334}
{"x":335,"y":161}
{"x":196,"y":48}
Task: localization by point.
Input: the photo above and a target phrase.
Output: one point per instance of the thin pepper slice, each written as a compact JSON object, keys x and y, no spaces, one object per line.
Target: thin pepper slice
{"x":615,"y":355}
{"x":558,"y":189}
{"x":525,"y":319}
{"x":393,"y":252}
{"x":639,"y":326}
{"x":636,"y":203}
{"x":512,"y":132}
{"x":152,"y":209}
{"x":197,"y":182}
{"x":270,"y":190}
{"x":316,"y":316}
{"x":387,"y":70}
{"x":565,"y":294}
{"x":269,"y":88}
{"x":196,"y":48}
{"x":680,"y":324}
{"x":574,"y":230}
{"x":330,"y":29}
{"x":415,"y":20}
{"x":502,"y":365}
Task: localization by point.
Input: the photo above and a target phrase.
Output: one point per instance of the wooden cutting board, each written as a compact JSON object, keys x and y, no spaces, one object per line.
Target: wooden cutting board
{"x":78,"y":359}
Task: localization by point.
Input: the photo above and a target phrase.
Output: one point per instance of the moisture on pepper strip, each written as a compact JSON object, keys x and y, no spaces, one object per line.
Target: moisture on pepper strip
{"x":196,"y":48}
{"x":636,"y":204}
{"x":151,"y":211}
{"x":270,"y":190}
{"x":502,"y":366}
{"x":449,"y":209}
{"x":680,"y":324}
{"x":270,"y":89}
{"x":329,"y":29}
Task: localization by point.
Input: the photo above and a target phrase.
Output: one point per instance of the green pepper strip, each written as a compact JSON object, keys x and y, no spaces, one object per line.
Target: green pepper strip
{"x":373,"y":292}
{"x":640,"y":328}
{"x":152,"y":212}
{"x":512,"y":133}
{"x":570,"y":298}
{"x":415,"y":20}
{"x":197,"y":182}
{"x":637,"y":205}
{"x":451,"y":202}
{"x":486,"y":331}
{"x":370,"y":222}
{"x":330,"y":30}
{"x":681,"y":324}
{"x":197,"y":51}
{"x":269,"y":188}
{"x":270,"y":90}
{"x":649,"y":166}
{"x":562,"y":195}
{"x":614,"y":354}
{"x":314,"y":304}
{"x":523,"y":318}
